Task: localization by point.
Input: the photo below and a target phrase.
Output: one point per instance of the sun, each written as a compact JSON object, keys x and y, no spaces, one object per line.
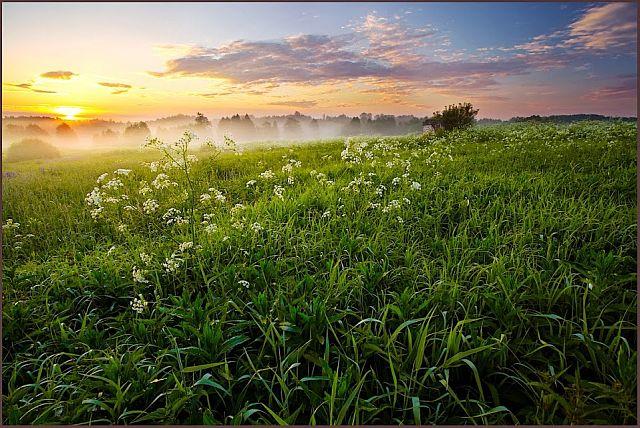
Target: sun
{"x":69,"y":113}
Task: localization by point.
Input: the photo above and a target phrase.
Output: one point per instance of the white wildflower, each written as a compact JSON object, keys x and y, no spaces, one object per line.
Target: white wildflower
{"x":146,"y":258}
{"x":278,"y":191}
{"x":10,"y":224}
{"x":171,"y":264}
{"x":114,"y":183}
{"x":138,"y":304}
{"x":217,"y":195}
{"x":173,"y":216}
{"x":162,"y":181}
{"x":150,"y":206}
{"x":138,"y":275}
{"x":268,"y":174}
{"x":184,"y":246}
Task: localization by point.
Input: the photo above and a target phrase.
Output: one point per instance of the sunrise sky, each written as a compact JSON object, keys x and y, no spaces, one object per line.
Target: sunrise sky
{"x":127,"y":61}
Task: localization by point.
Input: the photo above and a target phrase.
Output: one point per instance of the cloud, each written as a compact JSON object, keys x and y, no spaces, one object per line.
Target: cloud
{"x":19,"y":85}
{"x":114,"y":85}
{"x":376,"y":50}
{"x":603,"y":28}
{"x":393,"y":42}
{"x":626,"y":89}
{"x":29,"y":87}
{"x":607,"y":26}
{"x":394,"y":61}
{"x":300,"y":104}
{"x":61,"y":75}
{"x":120,"y":88}
{"x":214,"y":94}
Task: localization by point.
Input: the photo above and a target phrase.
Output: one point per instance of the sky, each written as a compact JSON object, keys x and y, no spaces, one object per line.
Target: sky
{"x":148,"y":60}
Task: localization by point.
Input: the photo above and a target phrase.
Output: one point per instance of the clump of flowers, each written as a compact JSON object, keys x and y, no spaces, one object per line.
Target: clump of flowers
{"x":267,"y":175}
{"x":10,"y":225}
{"x":184,"y":246}
{"x":150,"y":206}
{"x":172,"y":264}
{"x":139,"y":275}
{"x":139,"y":304}
{"x":146,"y":258}
{"x":162,"y":181}
{"x":352,"y":153}
{"x":174,"y":216}
{"x":278,"y":191}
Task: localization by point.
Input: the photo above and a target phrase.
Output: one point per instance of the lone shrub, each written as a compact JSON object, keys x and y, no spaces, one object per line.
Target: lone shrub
{"x":456,"y":116}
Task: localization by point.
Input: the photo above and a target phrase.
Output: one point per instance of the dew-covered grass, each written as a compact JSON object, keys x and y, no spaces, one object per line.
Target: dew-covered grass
{"x":486,"y":276}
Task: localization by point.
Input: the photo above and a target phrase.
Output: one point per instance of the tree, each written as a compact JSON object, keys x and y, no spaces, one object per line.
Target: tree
{"x":314,"y":126}
{"x":64,"y":131}
{"x":383,"y":124}
{"x":202,"y":121}
{"x":137,"y":130}
{"x":107,"y":136}
{"x":456,"y":116}
{"x":35,"y":130}
{"x":354,"y":127}
{"x":292,"y":128}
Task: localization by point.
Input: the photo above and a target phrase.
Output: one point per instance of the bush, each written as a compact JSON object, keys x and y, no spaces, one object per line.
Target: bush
{"x":31,"y":148}
{"x":456,"y":116}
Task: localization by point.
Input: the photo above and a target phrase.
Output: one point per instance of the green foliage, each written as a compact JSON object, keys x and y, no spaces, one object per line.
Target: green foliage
{"x":486,"y":276}
{"x":456,"y":116}
{"x":30,"y":149}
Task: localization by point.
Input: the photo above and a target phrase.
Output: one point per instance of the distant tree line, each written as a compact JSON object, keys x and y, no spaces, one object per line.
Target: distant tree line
{"x":245,"y":127}
{"x":560,"y":118}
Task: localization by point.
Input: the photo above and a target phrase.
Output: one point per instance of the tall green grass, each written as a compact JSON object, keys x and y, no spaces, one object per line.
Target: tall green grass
{"x":502,"y":290}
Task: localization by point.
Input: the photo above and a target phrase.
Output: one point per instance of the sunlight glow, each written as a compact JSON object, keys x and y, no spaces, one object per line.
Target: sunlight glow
{"x":69,"y":113}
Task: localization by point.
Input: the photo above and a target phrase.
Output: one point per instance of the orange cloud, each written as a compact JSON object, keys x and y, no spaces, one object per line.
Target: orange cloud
{"x":61,"y":75}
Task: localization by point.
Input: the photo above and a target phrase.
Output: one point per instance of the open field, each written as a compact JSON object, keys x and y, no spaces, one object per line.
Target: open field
{"x":486,"y":276}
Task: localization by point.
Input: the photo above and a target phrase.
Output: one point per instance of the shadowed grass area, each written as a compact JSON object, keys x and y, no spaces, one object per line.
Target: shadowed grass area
{"x":487,"y":276}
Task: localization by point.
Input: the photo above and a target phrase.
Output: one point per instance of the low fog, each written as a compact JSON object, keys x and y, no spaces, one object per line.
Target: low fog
{"x":53,"y":135}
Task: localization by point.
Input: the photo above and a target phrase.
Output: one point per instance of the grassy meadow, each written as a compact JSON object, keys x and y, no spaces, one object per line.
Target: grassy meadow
{"x":484,"y":276}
